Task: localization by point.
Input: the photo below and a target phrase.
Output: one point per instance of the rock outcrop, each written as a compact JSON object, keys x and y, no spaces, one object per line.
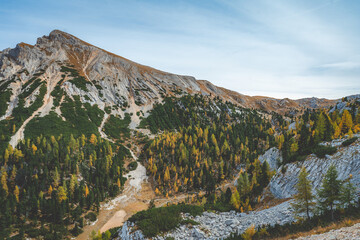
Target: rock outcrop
{"x":218,"y":225}
{"x":273,"y":157}
{"x":346,"y":160}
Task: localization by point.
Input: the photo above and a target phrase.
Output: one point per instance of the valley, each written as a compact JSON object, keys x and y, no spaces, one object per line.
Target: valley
{"x":96,"y":146}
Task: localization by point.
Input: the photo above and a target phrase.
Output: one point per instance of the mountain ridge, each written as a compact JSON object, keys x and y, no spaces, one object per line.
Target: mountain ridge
{"x":81,"y":62}
{"x":38,"y":78}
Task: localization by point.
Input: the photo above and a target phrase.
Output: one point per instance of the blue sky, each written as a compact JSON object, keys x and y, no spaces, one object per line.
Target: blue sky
{"x":278,"y":48}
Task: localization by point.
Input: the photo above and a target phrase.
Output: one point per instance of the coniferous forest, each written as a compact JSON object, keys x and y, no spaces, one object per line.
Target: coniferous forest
{"x":52,"y":185}
{"x":49,"y":185}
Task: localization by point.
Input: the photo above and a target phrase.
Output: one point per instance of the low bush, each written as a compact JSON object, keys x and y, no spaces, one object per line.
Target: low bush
{"x":91,"y":216}
{"x":132,"y":166}
{"x":349,"y":141}
{"x":155,"y":220}
{"x":4,"y":99}
{"x":189,"y":221}
{"x":116,"y":127}
{"x":320,"y":151}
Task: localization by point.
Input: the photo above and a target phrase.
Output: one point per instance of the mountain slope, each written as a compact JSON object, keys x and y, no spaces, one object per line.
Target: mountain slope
{"x":66,"y":67}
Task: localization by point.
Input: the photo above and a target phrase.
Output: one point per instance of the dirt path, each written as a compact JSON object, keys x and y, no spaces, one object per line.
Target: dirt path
{"x":102,"y":134}
{"x":135,"y":197}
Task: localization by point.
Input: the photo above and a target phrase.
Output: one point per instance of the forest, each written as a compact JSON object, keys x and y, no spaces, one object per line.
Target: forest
{"x":54,"y":181}
{"x":50,"y":186}
{"x":211,"y":141}
{"x":314,"y":127}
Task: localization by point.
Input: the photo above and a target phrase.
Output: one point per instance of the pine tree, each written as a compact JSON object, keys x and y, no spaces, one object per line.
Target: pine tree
{"x":304,"y":197}
{"x":329,"y":193}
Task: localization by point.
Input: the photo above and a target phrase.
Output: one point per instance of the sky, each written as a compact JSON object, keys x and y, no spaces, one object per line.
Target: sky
{"x":276,"y":48}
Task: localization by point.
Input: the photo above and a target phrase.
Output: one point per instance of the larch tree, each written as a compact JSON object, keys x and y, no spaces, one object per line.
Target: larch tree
{"x":304,"y":198}
{"x":16,"y":193}
{"x":346,"y":122}
{"x":4,"y":181}
{"x":330,"y":191}
{"x":61,"y":194}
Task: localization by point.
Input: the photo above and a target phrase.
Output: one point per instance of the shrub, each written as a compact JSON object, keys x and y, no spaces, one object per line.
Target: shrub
{"x":132,"y":166}
{"x":349,"y":141}
{"x":91,"y":216}
{"x":190,"y":221}
{"x":107,"y":109}
{"x":4,"y":99}
{"x":163,"y":219}
{"x":320,"y":151}
{"x":116,"y":127}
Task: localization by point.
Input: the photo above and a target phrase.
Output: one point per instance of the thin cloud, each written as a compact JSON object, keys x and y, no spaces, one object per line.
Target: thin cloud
{"x":276,"y":48}
{"x":342,"y":65}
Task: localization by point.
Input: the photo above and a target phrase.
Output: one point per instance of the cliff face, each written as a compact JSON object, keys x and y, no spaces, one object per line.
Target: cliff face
{"x":346,"y":160}
{"x":119,"y":80}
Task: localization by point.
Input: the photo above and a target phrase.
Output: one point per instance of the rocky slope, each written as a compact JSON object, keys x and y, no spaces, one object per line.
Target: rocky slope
{"x":346,"y":233}
{"x":218,"y":225}
{"x":62,"y":62}
{"x":346,"y":160}
{"x":273,"y":157}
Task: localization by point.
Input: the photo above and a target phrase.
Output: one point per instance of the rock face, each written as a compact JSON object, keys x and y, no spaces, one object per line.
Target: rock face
{"x":119,"y":80}
{"x":346,"y":233}
{"x":273,"y":158}
{"x":220,"y":225}
{"x":342,"y":105}
{"x":346,"y":160}
{"x":126,"y":232}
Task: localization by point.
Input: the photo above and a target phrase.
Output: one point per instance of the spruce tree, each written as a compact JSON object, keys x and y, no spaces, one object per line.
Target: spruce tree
{"x":304,"y":197}
{"x":329,"y":194}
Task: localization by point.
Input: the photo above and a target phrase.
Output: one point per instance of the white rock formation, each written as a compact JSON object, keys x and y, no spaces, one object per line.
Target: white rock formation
{"x":346,"y":160}
{"x":219,"y":225}
{"x":273,"y":157}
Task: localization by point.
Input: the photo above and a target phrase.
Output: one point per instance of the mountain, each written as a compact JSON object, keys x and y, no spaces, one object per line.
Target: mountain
{"x":67,"y":66}
{"x":89,"y":139}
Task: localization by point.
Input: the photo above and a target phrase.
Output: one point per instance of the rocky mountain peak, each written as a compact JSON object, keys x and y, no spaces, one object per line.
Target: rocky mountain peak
{"x":106,"y":79}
